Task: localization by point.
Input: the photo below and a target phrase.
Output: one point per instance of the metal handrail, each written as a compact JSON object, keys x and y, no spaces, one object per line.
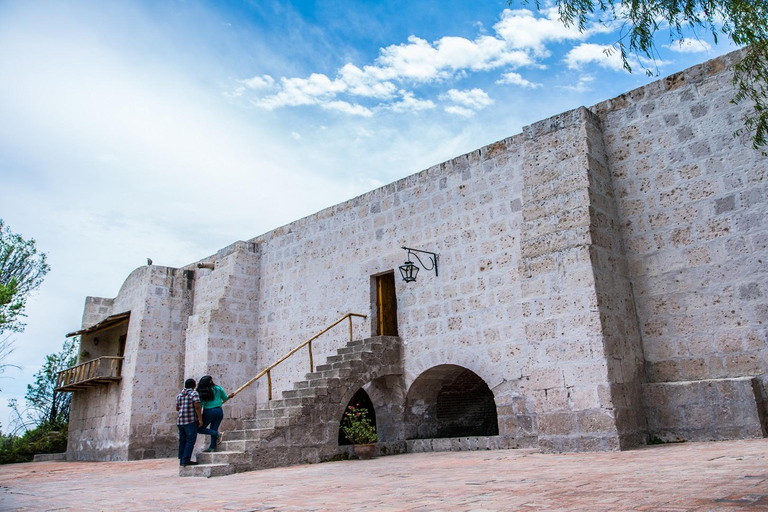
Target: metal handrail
{"x":90,"y":370}
{"x":269,"y":368}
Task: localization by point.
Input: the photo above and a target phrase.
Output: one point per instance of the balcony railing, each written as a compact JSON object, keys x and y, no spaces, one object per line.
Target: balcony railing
{"x":97,"y":372}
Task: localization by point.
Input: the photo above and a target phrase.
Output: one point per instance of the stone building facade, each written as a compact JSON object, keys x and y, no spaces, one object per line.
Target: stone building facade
{"x":603,"y":281}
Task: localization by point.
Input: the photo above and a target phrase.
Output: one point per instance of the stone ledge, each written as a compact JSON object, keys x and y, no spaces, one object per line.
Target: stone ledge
{"x":46,"y":457}
{"x":704,"y":410}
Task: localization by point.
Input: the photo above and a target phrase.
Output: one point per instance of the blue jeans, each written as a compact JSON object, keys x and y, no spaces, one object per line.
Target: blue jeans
{"x":213,"y":418}
{"x":187,"y":438}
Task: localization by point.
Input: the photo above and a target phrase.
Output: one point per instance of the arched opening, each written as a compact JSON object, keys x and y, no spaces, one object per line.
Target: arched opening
{"x":450,"y":401}
{"x":360,"y":400}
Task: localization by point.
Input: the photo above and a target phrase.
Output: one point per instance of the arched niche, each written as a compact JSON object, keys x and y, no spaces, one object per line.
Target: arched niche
{"x":360,"y":400}
{"x":450,"y":401}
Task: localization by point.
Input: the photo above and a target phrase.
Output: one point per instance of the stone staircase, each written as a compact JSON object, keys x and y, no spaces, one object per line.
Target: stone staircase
{"x":303,"y":426}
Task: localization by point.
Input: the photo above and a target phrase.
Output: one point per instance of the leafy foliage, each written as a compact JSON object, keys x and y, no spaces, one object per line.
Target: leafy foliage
{"x":22,"y":269}
{"x":44,"y":421}
{"x":357,"y":427}
{"x":44,"y":404}
{"x":742,"y":21}
{"x":46,"y":438}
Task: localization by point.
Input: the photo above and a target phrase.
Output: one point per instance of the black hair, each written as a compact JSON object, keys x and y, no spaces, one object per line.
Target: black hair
{"x":205,"y":388}
{"x":190,"y":383}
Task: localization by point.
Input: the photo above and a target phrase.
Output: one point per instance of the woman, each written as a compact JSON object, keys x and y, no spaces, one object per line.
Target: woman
{"x":211,"y":398}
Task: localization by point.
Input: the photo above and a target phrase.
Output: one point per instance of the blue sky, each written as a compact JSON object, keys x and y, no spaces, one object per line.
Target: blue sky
{"x":170,"y":129}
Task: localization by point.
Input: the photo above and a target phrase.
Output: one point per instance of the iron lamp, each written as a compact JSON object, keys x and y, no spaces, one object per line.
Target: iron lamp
{"x":409,"y":270}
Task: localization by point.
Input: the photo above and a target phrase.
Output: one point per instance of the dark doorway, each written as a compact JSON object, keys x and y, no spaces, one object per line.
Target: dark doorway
{"x":465,"y":407}
{"x":450,"y":401}
{"x":359,"y":400}
{"x":386,"y":305}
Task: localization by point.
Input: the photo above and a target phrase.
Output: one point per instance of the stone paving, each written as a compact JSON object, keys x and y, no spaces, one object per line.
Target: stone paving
{"x":724,"y":476}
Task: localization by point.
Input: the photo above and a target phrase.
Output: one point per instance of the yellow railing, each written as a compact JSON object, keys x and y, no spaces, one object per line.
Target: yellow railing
{"x":267,"y":371}
{"x":96,"y":371}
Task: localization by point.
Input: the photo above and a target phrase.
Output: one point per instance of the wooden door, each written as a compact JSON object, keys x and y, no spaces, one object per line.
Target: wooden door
{"x":386,"y":305}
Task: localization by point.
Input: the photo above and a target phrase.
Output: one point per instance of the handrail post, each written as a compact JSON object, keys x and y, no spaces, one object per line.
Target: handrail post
{"x":267,"y":370}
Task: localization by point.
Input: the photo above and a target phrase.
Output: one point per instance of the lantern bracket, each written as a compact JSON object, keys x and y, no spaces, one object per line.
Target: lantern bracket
{"x":409,"y":270}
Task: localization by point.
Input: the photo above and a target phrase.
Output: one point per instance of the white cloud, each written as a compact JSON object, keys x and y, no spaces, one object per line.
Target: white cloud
{"x":689,"y":46}
{"x":513,"y":78}
{"x":475,"y":99}
{"x":522,"y":29}
{"x":347,"y":108}
{"x":259,"y":82}
{"x":519,"y":40}
{"x":237,"y":93}
{"x":460,"y":111}
{"x":295,"y":136}
{"x":366,"y":82}
{"x":587,"y":53}
{"x":409,"y":103}
{"x":302,"y":91}
{"x":582,"y":85}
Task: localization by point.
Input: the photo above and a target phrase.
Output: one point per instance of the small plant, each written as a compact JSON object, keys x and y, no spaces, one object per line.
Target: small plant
{"x":357,"y":427}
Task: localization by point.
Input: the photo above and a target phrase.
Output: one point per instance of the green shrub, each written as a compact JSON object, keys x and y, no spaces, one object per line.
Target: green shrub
{"x":47,"y":438}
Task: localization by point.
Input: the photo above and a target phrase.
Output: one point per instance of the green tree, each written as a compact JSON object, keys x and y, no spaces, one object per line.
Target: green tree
{"x":42,"y":426}
{"x":22,"y":268}
{"x":44,"y":404}
{"x":745,"y":22}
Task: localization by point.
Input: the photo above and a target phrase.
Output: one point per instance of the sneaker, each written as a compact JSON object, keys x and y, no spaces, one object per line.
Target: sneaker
{"x":219,"y":437}
{"x":190,"y":463}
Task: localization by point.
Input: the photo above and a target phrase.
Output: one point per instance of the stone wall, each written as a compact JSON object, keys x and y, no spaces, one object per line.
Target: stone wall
{"x":693,"y":201}
{"x":595,"y":270}
{"x":135,"y":418}
{"x":99,"y":420}
{"x":221,"y":338}
{"x":469,"y":210}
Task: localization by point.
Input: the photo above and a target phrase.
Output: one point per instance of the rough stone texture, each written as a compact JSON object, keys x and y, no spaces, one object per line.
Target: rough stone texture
{"x":132,"y":419}
{"x":597,"y":254}
{"x":692,"y":201}
{"x":303,"y":426}
{"x":221,"y":337}
{"x":706,"y":410}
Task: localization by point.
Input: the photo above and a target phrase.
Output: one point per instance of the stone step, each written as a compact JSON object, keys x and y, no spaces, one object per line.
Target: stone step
{"x":233,"y":445}
{"x":278,"y":412}
{"x":339,"y":373}
{"x":234,"y":435}
{"x":228,"y":457}
{"x":283,"y":427}
{"x":287,"y":403}
{"x":304,"y":392}
{"x":207,"y":470}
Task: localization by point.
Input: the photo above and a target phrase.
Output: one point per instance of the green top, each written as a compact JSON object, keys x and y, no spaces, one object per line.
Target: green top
{"x":219,"y":397}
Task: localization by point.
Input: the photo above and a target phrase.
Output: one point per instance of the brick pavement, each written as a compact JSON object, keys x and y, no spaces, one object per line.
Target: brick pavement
{"x":725,"y":476}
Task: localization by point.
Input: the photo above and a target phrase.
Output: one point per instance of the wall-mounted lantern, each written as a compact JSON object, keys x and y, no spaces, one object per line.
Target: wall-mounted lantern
{"x":95,"y":341}
{"x":409,"y":270}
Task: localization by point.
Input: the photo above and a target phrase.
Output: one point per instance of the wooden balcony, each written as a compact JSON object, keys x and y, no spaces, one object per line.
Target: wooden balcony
{"x":97,"y":372}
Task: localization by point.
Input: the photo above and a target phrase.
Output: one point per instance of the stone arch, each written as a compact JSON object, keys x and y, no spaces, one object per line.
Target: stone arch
{"x":449,"y":401}
{"x":380,"y":375}
{"x":361,"y":400}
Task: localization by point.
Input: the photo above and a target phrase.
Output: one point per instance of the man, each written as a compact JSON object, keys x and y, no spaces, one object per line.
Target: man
{"x":190,"y":417}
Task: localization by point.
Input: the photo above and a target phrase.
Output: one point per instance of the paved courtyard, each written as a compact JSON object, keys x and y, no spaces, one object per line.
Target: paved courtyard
{"x":725,"y":476}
